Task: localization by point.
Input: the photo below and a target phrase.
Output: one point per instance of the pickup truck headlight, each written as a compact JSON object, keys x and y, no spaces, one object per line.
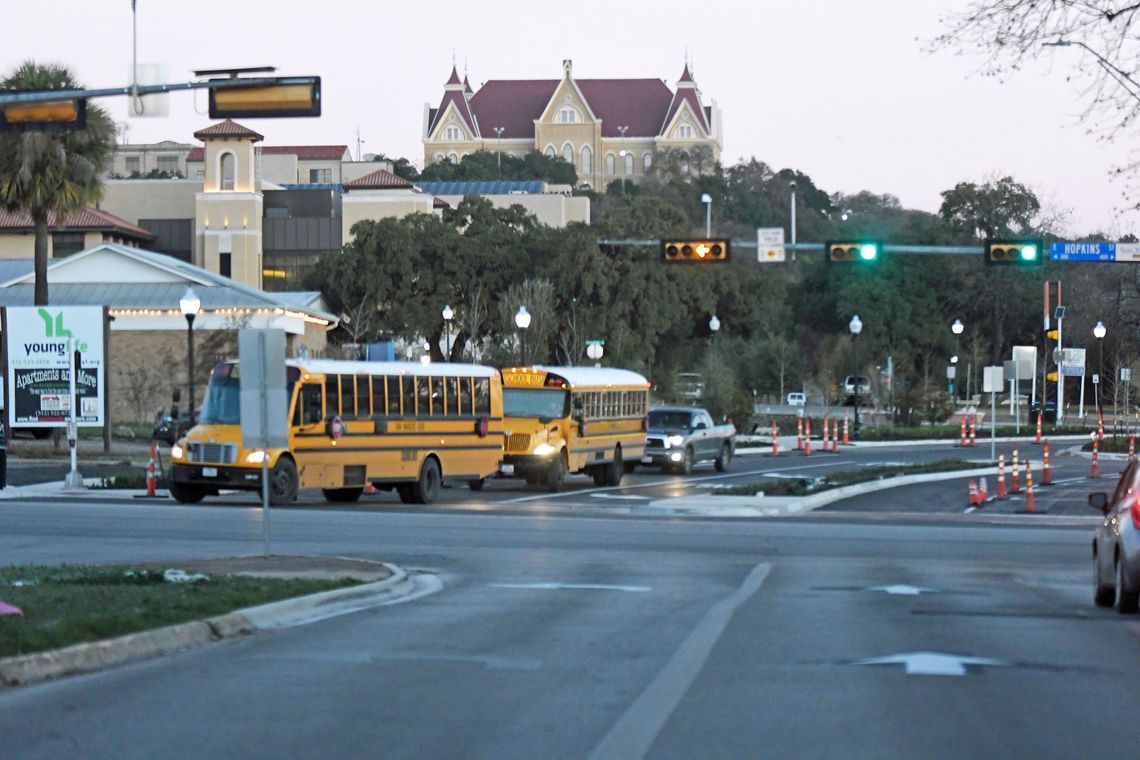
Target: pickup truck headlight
{"x":544,"y":450}
{"x":675,"y":440}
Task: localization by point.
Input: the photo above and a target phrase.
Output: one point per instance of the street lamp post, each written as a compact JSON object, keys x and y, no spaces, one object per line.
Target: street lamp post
{"x":707,"y":200}
{"x":1099,"y":332}
{"x":190,"y":305}
{"x":522,"y":321}
{"x":957,"y":329}
{"x":499,"y":149}
{"x":792,"y":189}
{"x":621,"y":155}
{"x":856,"y":327}
{"x":714,"y":327}
{"x":447,"y":315}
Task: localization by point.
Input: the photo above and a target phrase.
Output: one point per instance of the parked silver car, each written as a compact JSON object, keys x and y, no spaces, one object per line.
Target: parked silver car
{"x":1116,"y":544}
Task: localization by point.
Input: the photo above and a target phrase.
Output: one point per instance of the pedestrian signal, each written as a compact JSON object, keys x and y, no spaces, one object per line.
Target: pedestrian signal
{"x":853,"y":251}
{"x":695,"y":250}
{"x":1024,"y":253}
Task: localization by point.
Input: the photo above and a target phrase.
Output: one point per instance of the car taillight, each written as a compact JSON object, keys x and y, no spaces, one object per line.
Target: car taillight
{"x":1136,"y":513}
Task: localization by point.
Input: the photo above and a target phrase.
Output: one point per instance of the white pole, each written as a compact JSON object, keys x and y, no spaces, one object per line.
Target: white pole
{"x":1060,"y":375}
{"x":264,"y":397}
{"x":73,"y":479}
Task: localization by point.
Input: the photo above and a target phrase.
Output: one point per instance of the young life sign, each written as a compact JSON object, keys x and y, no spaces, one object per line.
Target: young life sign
{"x":42,"y":343}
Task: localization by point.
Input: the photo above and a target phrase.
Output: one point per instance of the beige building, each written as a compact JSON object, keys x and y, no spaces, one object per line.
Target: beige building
{"x":607,"y":128}
{"x":166,"y":158}
{"x":67,"y":235}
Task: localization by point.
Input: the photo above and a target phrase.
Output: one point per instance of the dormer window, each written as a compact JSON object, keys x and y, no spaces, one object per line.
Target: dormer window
{"x":568,"y":115}
{"x":451,"y":133}
{"x":685,"y":131}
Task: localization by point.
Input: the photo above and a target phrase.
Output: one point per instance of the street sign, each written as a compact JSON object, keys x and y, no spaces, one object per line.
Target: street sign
{"x":264,"y":407}
{"x":769,"y":244}
{"x":993,"y":379}
{"x":1125,"y":374}
{"x":951,"y":372}
{"x":1079,"y":251}
{"x":1072,"y":362}
{"x":1128,"y":251}
{"x":1096,"y":379}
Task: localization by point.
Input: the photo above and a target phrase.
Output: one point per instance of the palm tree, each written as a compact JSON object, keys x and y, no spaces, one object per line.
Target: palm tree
{"x":47,"y":174}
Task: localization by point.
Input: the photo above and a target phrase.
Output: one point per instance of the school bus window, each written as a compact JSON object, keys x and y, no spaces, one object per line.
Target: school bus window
{"x":451,"y":390}
{"x":408,"y":383}
{"x":312,"y":409}
{"x":392,"y":382}
{"x":364,"y":395}
{"x":437,"y":397}
{"x":332,"y":395}
{"x":465,"y":407}
{"x":423,"y":396}
{"x":482,"y":395}
{"x":348,"y":396}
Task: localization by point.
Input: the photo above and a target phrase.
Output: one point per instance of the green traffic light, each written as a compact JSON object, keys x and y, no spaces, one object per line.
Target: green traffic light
{"x":1029,"y":252}
{"x":868,"y":252}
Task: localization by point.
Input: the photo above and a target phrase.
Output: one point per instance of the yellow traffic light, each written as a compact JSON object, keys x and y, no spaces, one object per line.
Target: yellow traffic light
{"x":1051,"y":377}
{"x":853,"y":251}
{"x":695,"y":250}
{"x":44,"y":116}
{"x":1051,"y":334}
{"x":296,"y":96}
{"x":1025,"y":253}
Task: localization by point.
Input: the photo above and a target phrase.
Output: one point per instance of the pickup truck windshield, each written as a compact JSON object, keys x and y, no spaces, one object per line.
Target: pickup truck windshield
{"x":670,"y":420}
{"x":530,"y":402}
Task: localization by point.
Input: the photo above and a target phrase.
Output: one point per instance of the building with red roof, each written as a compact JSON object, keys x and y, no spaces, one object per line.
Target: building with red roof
{"x":607,"y":128}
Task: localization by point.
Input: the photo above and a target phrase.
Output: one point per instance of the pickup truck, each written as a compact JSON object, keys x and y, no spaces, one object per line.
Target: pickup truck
{"x":680,"y":437}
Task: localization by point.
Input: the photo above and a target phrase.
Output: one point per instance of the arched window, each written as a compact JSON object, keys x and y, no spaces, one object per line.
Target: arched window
{"x":587,"y":159}
{"x":568,"y":153}
{"x":453,"y":158}
{"x":567,"y":115}
{"x":226,"y":171}
{"x":438,"y":156}
{"x":647,"y":162}
{"x":628,"y":163}
{"x":550,"y":151}
{"x":609,"y":163}
{"x":685,"y":131}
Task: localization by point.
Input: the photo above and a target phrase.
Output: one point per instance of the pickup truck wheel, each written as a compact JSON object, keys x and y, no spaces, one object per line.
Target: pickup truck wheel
{"x":686,"y":466}
{"x":725,"y":459}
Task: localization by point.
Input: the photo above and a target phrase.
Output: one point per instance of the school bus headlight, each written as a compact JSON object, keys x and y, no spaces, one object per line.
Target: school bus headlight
{"x":675,"y":440}
{"x":544,"y":450}
{"x":176,"y":451}
{"x":255,"y":457}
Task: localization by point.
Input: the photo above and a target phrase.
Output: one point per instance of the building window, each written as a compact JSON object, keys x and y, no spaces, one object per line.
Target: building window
{"x":550,"y":151}
{"x":567,"y":115}
{"x":568,"y":153}
{"x":134,"y":165}
{"x":225,"y":264}
{"x":320,"y":176}
{"x":200,"y":174}
{"x":63,"y":244}
{"x":438,"y":156}
{"x":451,"y":134}
{"x":168,"y":164}
{"x":587,"y":159}
{"x":628,"y":163}
{"x":227,"y":171}
{"x":609,"y":163}
{"x":685,"y":131}
{"x":453,"y":158}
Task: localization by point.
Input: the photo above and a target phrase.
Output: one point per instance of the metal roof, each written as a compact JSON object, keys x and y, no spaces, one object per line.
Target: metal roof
{"x":503,"y":187}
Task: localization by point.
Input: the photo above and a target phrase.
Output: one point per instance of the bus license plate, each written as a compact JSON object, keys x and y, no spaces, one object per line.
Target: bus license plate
{"x":507,"y":469}
{"x":209,"y":472}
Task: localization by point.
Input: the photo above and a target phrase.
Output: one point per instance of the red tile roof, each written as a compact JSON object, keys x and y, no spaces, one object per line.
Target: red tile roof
{"x":380,"y":179}
{"x":227,"y":128}
{"x":302,"y":152}
{"x":512,"y":104}
{"x":88,"y":219}
{"x":689,"y":95}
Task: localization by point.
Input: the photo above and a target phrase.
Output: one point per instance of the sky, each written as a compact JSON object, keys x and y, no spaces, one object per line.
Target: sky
{"x":845,"y":92}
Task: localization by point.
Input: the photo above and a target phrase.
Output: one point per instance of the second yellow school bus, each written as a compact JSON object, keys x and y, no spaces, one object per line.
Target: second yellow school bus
{"x":561,"y":420}
{"x":394,"y":425}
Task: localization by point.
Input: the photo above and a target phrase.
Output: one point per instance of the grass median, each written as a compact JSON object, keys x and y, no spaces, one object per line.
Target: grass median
{"x":805,"y":486}
{"x":74,"y":604}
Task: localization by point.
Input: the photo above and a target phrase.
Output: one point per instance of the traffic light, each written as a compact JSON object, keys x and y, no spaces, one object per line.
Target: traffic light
{"x":695,"y":250}
{"x":292,"y":96}
{"x":1051,"y":377}
{"x":1024,"y":253}
{"x":853,"y":251}
{"x":44,"y":116}
{"x":1052,"y":334}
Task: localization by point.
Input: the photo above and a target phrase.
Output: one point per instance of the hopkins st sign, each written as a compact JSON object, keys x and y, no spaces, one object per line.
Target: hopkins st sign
{"x":43,"y":344}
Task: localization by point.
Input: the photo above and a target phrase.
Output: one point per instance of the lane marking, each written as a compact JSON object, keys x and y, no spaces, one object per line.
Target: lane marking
{"x":634,"y":733}
{"x":901,"y":589}
{"x":573,"y":586}
{"x":933,"y":663}
{"x":627,"y":497}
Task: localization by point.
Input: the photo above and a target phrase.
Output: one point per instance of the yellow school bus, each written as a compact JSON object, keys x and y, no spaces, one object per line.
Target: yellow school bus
{"x":394,"y":425}
{"x":561,"y":420}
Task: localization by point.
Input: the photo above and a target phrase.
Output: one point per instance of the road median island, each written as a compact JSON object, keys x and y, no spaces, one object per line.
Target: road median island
{"x":75,"y":619}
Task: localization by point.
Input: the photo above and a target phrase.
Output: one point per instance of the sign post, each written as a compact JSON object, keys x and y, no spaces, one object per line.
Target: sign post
{"x":770,"y":244}
{"x":992,"y":380}
{"x":264,"y":408}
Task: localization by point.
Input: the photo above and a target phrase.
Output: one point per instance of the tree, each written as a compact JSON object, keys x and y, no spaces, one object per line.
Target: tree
{"x":401,"y":167}
{"x":46,"y":174}
{"x":488,"y":165}
{"x":994,"y":209}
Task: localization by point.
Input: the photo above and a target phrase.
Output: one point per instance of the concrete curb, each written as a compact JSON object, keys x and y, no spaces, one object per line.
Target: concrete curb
{"x":781,"y":506}
{"x":97,"y":655}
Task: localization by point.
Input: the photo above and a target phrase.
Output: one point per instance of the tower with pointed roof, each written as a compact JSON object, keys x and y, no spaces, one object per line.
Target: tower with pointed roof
{"x":609,"y":129}
{"x":230,"y":206}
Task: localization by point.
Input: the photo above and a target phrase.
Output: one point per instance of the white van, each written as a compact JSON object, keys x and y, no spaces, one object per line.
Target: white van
{"x":797,"y":399}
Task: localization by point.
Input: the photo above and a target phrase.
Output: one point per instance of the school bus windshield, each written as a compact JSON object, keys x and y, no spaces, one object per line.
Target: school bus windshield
{"x":223,"y":395}
{"x":532,"y":402}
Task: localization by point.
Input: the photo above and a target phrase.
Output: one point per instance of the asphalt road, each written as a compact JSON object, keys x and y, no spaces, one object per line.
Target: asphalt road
{"x":579,"y":637}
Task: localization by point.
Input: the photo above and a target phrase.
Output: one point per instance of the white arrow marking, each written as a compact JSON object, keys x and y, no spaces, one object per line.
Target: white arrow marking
{"x":627,"y":497}
{"x":933,"y":663}
{"x":902,"y":590}
{"x":579,"y":586}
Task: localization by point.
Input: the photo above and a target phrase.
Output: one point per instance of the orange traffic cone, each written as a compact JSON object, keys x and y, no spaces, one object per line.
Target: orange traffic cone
{"x":846,"y":441}
{"x":800,"y":434}
{"x":973,"y":494}
{"x":973,"y":431}
{"x":962,"y":438}
{"x":1029,"y":505}
{"x":1047,"y":473}
{"x":1014,"y":475}
{"x":1038,"y":428}
{"x":1131,"y":445}
{"x":775,"y":440}
{"x":826,"y":430}
{"x":1001,"y":476}
{"x":807,"y":437}
{"x":1095,"y":472}
{"x":983,"y":492}
{"x":150,"y":481}
{"x":1100,"y":426}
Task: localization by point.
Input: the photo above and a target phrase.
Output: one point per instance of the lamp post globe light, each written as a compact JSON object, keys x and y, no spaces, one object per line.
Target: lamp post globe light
{"x":714,"y":324}
{"x":957,"y":328}
{"x":447,"y":314}
{"x":595,"y":352}
{"x":1099,"y":332}
{"x":707,"y":200}
{"x":856,"y":327}
{"x":190,"y":305}
{"x":522,"y":321}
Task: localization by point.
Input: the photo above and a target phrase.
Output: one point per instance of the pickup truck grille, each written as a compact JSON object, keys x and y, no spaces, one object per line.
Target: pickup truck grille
{"x":212,"y":453}
{"x":655,"y":443}
{"x":518,"y":443}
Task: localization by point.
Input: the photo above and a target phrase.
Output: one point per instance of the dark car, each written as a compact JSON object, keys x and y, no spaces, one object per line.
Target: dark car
{"x":1116,"y":543}
{"x":1050,"y":410}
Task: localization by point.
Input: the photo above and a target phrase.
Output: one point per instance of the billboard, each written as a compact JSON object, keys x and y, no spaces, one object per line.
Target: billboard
{"x":42,"y":344}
